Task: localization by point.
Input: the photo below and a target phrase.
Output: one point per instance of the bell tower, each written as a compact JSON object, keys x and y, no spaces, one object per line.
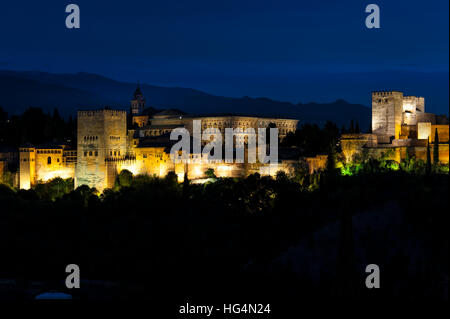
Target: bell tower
{"x":138,"y":102}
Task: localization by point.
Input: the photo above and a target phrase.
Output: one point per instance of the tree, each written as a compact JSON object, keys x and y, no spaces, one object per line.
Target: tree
{"x":428,"y":165}
{"x":352,"y":127}
{"x":185,"y":185}
{"x":436,"y":148}
{"x":6,"y":178}
{"x":3,"y":115}
{"x":210,"y":173}
{"x":357,"y":130}
{"x":124,"y":179}
{"x":331,"y":159}
{"x":281,"y":176}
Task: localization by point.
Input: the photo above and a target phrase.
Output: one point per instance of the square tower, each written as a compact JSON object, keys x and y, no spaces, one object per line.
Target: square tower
{"x":27,"y":169}
{"x":387,"y":109}
{"x":101,"y":136}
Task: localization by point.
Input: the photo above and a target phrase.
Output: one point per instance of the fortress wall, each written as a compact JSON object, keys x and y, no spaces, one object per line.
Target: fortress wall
{"x":408,"y":131}
{"x":413,"y":104}
{"x":442,"y":133}
{"x":353,"y":144}
{"x":49,"y":165}
{"x":423,"y":131}
{"x":426,"y":117}
{"x":152,"y":161}
{"x":316,"y":163}
{"x":409,"y":119}
{"x":389,"y":153}
{"x":3,"y":167}
{"x":420,"y":152}
{"x":284,"y":125}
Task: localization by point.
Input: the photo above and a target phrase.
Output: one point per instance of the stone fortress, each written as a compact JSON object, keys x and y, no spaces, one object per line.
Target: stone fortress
{"x":401,"y":128}
{"x":105,"y":146}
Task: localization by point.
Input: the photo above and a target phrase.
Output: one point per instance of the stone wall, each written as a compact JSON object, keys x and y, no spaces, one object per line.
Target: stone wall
{"x":442,"y":133}
{"x":353,"y":144}
{"x":408,"y":131}
{"x":49,"y":164}
{"x":316,"y":163}
{"x":423,"y":130}
{"x":426,"y":117}
{"x":420,"y":152}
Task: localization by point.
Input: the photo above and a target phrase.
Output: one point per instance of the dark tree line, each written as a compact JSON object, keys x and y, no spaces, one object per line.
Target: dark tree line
{"x":311,"y":139}
{"x":154,"y":235}
{"x":36,"y":127}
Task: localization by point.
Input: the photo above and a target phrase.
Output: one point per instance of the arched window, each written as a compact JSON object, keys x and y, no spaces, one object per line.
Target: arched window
{"x":49,"y":160}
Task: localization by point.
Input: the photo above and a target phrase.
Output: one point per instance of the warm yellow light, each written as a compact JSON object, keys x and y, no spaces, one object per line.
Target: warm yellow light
{"x":198,"y":171}
{"x":133,"y":168}
{"x":62,"y":173}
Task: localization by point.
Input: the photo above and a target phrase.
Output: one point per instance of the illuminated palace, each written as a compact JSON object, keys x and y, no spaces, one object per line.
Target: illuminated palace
{"x":400,"y":128}
{"x":105,"y":146}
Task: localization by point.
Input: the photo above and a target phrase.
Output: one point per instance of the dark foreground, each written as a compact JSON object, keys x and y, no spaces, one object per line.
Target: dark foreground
{"x":258,"y":240}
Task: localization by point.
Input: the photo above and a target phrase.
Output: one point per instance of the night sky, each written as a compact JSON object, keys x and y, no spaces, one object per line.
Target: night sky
{"x":298,"y":51}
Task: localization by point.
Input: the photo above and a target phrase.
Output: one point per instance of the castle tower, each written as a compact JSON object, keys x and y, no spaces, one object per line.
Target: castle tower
{"x":387,"y":108}
{"x":27,"y":169}
{"x":138,"y":102}
{"x":101,"y":137}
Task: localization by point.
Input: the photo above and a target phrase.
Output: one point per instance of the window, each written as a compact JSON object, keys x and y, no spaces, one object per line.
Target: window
{"x":90,"y":153}
{"x":96,"y":153}
{"x":85,"y":153}
{"x":49,"y":160}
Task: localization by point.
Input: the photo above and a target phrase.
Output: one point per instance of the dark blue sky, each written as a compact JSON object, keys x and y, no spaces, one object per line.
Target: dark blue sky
{"x":297,"y":51}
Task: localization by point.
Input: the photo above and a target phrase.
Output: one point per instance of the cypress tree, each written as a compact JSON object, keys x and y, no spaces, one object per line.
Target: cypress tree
{"x":436,"y":148}
{"x":331,"y":159}
{"x":428,"y":164}
{"x":357,"y":130}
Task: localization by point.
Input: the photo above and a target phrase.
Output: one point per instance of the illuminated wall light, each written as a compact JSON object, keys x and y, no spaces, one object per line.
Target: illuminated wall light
{"x":198,"y":171}
{"x":62,"y":173}
{"x":133,"y":168}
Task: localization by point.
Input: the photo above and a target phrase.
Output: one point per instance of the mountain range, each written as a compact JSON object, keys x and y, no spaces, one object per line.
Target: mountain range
{"x":70,"y":92}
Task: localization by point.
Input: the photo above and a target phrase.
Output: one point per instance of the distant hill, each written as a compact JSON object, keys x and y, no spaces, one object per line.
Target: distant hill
{"x":70,"y":92}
